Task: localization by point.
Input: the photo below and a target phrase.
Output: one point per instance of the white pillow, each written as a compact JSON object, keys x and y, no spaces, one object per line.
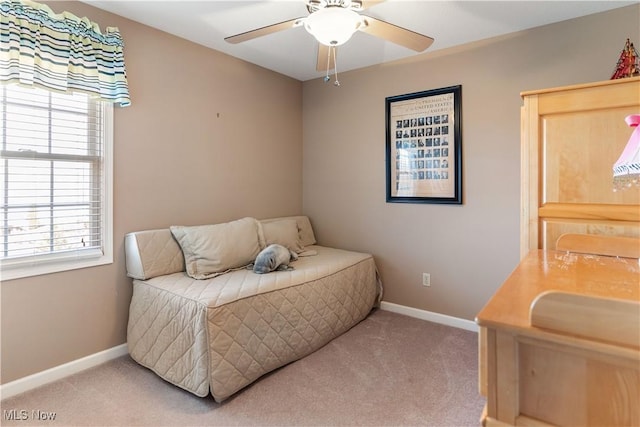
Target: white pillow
{"x":210,"y":250}
{"x":282,"y":232}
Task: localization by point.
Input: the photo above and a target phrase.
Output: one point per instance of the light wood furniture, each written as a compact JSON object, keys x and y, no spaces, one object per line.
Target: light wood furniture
{"x":556,"y":341}
{"x":562,"y":342}
{"x":571,"y":137}
{"x":599,"y":244}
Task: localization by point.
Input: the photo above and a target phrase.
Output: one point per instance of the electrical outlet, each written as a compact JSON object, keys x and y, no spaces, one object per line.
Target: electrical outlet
{"x":426,"y":279}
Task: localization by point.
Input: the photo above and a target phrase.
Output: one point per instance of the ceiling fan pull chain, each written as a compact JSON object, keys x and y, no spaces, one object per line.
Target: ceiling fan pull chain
{"x":335,"y":66}
{"x":327,"y":78}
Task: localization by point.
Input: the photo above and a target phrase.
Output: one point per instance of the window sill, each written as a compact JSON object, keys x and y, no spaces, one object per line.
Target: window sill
{"x":72,"y":261}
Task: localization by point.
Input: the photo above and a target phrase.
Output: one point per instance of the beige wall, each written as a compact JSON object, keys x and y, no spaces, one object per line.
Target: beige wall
{"x":176,"y":162}
{"x":470,"y":249}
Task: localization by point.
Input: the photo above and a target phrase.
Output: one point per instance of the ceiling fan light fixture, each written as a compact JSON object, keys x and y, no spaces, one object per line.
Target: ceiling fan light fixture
{"x":333,"y":26}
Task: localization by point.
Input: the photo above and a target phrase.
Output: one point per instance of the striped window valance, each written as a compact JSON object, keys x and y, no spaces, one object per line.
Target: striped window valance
{"x":60,"y":52}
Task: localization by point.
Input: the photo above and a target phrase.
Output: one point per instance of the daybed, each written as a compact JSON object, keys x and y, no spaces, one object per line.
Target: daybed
{"x":222,"y":331}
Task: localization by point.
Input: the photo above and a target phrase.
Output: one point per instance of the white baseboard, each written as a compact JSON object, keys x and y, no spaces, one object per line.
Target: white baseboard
{"x":41,"y":378}
{"x":430,"y":316}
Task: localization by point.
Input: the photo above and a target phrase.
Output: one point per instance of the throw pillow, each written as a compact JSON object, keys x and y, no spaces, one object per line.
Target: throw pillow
{"x":210,"y":250}
{"x":282,"y":232}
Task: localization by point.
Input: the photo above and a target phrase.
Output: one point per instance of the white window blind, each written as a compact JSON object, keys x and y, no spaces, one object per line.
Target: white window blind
{"x":53,"y":184}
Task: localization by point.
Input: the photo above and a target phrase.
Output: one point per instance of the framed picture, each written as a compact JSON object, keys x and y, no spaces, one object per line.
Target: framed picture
{"x":424,"y":146}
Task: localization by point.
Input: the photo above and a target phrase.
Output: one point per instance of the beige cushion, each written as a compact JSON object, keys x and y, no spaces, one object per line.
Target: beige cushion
{"x":152,"y":253}
{"x":282,"y":232}
{"x":305,"y":232}
{"x":210,"y":250}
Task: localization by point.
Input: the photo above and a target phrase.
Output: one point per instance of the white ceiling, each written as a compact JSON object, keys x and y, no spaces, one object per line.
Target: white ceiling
{"x":293,"y":52}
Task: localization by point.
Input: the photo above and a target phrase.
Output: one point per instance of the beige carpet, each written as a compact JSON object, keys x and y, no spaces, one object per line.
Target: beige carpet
{"x":389,"y":370}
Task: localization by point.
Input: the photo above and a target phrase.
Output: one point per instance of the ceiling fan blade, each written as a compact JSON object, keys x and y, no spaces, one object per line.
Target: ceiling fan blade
{"x":259,"y":32}
{"x":395,"y":34}
{"x":325,"y":57}
{"x":366,"y":4}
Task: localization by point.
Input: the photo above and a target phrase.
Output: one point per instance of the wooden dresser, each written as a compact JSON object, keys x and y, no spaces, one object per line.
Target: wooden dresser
{"x":560,"y":340}
{"x":561,"y":343}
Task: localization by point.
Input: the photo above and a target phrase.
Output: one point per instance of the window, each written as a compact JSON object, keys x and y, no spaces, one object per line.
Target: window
{"x":55,"y":182}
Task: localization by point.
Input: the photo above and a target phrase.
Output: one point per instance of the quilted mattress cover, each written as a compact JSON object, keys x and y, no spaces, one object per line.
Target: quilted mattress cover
{"x":220,"y":335}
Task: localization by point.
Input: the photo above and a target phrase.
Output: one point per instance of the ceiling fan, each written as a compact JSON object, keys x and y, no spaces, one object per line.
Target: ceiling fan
{"x":333,"y":22}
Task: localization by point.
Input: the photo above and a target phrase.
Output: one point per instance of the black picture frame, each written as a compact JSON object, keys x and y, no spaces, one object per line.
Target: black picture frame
{"x":424,"y":146}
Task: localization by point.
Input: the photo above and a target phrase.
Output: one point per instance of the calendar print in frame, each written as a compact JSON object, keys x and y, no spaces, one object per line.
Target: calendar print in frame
{"x":424,"y":146}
